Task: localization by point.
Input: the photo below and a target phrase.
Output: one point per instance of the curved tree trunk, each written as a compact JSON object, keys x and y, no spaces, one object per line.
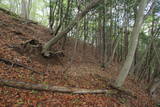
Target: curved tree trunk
{"x":79,"y":16}
{"x":133,"y":44}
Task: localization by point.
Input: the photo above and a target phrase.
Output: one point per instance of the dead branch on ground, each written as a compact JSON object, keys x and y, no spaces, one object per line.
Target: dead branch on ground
{"x":16,"y":64}
{"x":61,"y":89}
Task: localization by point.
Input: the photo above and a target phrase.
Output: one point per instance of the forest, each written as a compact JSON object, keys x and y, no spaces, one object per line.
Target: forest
{"x":79,"y":53}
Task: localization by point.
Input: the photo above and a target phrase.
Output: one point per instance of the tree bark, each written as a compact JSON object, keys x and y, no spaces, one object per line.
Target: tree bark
{"x":103,"y":36}
{"x":79,"y":16}
{"x":25,"y":8}
{"x":51,"y":14}
{"x":12,"y":6}
{"x":133,"y":44}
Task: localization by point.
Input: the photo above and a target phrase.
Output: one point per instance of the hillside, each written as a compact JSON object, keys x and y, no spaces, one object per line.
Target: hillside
{"x":84,"y":72}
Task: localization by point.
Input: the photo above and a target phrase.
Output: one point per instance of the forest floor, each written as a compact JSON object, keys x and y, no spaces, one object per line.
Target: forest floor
{"x":84,"y":72}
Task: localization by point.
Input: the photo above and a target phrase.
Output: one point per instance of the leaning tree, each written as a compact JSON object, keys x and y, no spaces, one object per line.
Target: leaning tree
{"x":74,"y":22}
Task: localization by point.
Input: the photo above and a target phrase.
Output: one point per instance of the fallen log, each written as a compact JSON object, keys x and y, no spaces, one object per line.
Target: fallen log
{"x":43,"y":87}
{"x":60,"y":89}
{"x":12,"y":63}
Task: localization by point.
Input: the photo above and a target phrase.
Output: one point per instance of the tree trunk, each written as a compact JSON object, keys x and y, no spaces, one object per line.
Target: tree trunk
{"x":85,"y":34}
{"x":25,"y":8}
{"x":133,"y":44}
{"x":126,"y":32}
{"x":113,"y":53}
{"x":79,"y":16}
{"x":66,"y":21}
{"x":12,"y":6}
{"x":51,"y":14}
